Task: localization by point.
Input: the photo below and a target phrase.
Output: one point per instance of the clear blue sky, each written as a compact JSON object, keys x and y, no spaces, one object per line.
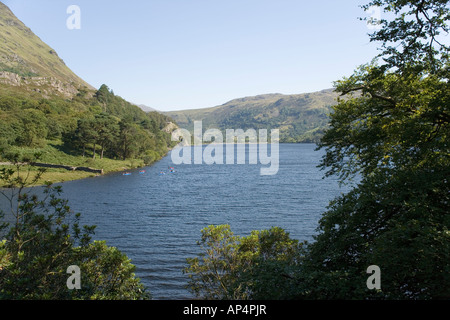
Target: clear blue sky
{"x":183,"y":54}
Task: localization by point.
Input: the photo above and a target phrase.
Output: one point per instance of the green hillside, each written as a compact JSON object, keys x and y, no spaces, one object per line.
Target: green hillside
{"x":46,"y":110}
{"x":24,"y":54}
{"x":300,"y":117}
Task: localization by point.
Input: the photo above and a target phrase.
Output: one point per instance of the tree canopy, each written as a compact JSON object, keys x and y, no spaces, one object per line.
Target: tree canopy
{"x":42,"y":238}
{"x":97,"y":125}
{"x":391,"y":130}
{"x":388,"y":137}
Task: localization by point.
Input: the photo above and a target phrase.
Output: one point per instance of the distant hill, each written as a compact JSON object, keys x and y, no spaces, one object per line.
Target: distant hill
{"x":300,"y":117}
{"x":146,"y":108}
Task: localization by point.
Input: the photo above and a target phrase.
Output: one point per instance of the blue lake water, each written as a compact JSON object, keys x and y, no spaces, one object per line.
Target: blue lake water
{"x":156,"y":219}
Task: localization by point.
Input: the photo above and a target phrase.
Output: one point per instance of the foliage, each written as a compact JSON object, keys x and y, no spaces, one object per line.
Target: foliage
{"x":391,"y":131}
{"x":44,"y":238}
{"x":389,"y":137}
{"x":273,"y":258}
{"x":121,"y":130}
{"x":413,"y":37}
{"x":107,"y":274}
{"x":254,"y":267}
{"x":397,"y":222}
{"x":103,"y":125}
{"x":213,"y":276}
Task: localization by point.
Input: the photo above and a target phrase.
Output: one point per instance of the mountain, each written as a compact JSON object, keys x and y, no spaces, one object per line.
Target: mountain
{"x":46,"y":109}
{"x":27,"y":62}
{"x":146,"y":108}
{"x":300,"y":117}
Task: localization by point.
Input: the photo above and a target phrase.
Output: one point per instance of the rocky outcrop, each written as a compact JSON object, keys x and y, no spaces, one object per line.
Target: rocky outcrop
{"x":10,"y":78}
{"x":44,"y":85}
{"x":170,"y":127}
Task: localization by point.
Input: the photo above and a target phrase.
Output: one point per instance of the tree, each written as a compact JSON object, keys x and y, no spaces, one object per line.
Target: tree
{"x":108,"y":130}
{"x":35,"y":128}
{"x":390,"y":131}
{"x":107,"y":274}
{"x":258,"y":266}
{"x":83,"y":135}
{"x":272,"y":258}
{"x":129,"y":137}
{"x":44,"y":239}
{"x":103,"y":94}
{"x":412,"y":38}
{"x":213,"y":274}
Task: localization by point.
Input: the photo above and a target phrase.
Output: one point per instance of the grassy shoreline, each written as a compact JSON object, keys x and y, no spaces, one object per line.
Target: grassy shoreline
{"x":50,"y":175}
{"x":52,"y":154}
{"x":54,"y":176}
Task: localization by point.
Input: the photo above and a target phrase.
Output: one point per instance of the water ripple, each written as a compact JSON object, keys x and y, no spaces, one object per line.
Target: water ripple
{"x":156,"y":219}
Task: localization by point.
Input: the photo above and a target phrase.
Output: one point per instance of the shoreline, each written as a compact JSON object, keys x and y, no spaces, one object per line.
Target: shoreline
{"x":55,"y":174}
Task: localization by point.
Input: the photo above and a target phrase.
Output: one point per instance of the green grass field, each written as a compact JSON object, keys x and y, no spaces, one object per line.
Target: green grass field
{"x":52,"y":153}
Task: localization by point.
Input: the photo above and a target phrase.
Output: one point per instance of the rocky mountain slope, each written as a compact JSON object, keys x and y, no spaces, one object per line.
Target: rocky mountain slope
{"x":27,"y":62}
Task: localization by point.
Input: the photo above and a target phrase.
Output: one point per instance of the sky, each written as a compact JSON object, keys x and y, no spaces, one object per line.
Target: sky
{"x":188,"y":54}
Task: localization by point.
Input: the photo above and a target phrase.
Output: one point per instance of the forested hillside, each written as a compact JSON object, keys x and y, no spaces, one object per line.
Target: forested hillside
{"x":97,"y":126}
{"x":47,"y":110}
{"x":300,"y":117}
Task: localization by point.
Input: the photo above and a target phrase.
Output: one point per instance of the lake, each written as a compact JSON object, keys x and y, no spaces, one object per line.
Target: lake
{"x":156,"y":219}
